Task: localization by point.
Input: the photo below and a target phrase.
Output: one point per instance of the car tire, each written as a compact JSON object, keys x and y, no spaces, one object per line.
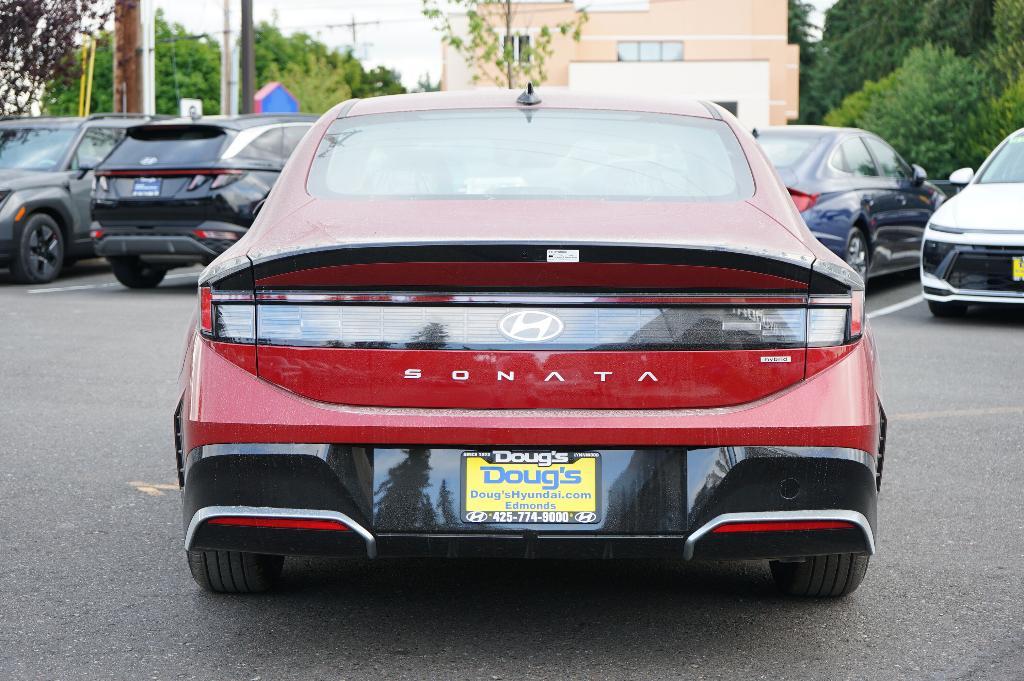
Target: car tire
{"x":947,"y":310}
{"x":134,"y":273}
{"x":821,"y":576}
{"x":234,"y":572}
{"x":857,"y":252}
{"x":39,"y":251}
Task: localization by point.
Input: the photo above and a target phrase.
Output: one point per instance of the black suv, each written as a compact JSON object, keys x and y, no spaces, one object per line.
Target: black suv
{"x":180,"y":192}
{"x":45,"y":181}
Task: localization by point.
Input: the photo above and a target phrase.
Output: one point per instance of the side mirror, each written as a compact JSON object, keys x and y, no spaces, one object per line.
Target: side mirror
{"x":919,"y":175}
{"x":84,"y":170}
{"x":962,"y":176}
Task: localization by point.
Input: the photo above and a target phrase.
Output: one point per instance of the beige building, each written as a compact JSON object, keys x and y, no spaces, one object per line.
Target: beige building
{"x":733,"y":52}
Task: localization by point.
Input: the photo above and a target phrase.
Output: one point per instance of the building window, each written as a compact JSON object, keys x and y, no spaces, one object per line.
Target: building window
{"x":520,"y":45}
{"x":650,"y":50}
{"x":671,"y":51}
{"x":629,"y":51}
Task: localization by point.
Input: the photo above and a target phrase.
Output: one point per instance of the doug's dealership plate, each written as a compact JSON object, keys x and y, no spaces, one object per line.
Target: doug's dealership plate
{"x":510,"y":486}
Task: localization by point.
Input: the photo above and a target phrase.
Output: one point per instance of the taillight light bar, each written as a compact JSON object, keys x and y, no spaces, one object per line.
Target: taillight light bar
{"x":279,"y":319}
{"x":783,"y":526}
{"x":281,"y":523}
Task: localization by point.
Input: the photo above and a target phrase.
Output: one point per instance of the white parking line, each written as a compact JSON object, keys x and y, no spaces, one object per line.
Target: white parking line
{"x":897,"y":307}
{"x":83,"y":287}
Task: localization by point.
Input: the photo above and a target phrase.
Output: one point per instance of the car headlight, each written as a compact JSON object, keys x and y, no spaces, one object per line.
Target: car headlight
{"x":933,"y":253}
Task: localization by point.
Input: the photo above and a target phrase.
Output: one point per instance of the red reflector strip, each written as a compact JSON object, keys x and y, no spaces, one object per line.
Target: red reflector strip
{"x":168,"y":172}
{"x":206,"y":309}
{"x":281,"y":523}
{"x":784,"y":526}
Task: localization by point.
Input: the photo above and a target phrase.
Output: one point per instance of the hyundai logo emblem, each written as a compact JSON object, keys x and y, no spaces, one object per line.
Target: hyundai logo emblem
{"x":530,"y":326}
{"x":476,"y":517}
{"x":585,"y":517}
{"x":148,"y":160}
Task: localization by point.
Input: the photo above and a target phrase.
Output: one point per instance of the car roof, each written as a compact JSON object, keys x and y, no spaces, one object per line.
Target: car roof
{"x":808,"y":130}
{"x":74,"y":122}
{"x":243,"y":121}
{"x":491,"y":98}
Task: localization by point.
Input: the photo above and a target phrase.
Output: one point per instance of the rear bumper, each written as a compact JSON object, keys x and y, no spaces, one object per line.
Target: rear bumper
{"x":814,"y":447}
{"x":167,"y":244}
{"x":663,"y":502}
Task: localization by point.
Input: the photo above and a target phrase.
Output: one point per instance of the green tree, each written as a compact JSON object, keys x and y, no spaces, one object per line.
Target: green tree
{"x":801,"y":32}
{"x":299,"y":61}
{"x":994,"y":120}
{"x":851,"y":112}
{"x":313,"y":81}
{"x":862,"y":40}
{"x":1007,"y":56}
{"x":925,"y":112}
{"x":487,"y":47}
{"x":964,"y":25}
{"x":186,"y":66}
{"x":60,"y":96}
{"x":425,"y":84}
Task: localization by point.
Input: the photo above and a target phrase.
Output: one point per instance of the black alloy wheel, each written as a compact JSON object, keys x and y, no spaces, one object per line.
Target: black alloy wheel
{"x":40,"y":254}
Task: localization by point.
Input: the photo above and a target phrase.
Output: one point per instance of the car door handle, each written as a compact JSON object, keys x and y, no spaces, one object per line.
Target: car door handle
{"x":902,"y":199}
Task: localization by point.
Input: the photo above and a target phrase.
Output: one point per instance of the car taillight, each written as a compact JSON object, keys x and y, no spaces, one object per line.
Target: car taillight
{"x":196,"y":182}
{"x":96,"y":234}
{"x":99,"y":181}
{"x":226,"y":317}
{"x":206,"y":310}
{"x":225,"y":178}
{"x":828,"y":321}
{"x":803,"y":200}
{"x":833,"y":322}
{"x":215,"y":234}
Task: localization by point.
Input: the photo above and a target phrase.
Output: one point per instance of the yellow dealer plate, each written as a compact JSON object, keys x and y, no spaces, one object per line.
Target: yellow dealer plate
{"x":512,"y":486}
{"x":1018,"y":268}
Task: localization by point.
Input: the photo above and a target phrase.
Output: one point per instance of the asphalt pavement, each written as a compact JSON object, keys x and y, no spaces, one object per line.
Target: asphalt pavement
{"x":93,"y":581}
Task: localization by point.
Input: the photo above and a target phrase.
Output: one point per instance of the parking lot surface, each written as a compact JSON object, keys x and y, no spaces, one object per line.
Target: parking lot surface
{"x":93,"y":581}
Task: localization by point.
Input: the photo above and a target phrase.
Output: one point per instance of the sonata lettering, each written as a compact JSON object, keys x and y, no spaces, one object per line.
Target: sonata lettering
{"x":465,"y":375}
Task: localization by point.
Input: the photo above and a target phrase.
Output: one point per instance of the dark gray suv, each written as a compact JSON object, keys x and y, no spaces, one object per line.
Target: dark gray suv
{"x":45,"y":185}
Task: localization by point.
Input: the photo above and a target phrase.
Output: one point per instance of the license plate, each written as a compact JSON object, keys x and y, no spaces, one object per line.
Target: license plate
{"x":509,"y":486}
{"x":146,"y":186}
{"x":1018,"y":268}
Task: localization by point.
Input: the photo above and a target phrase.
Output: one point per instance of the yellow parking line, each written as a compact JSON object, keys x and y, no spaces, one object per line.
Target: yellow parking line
{"x":153,"y":489}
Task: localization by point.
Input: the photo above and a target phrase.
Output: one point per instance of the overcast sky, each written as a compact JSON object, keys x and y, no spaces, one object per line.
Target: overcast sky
{"x":401,"y":38}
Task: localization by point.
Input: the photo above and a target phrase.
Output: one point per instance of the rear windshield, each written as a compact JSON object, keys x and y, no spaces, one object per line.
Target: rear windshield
{"x":539,"y":154}
{"x":785,"y":150}
{"x":1008,"y":164}
{"x":33,"y":148}
{"x":168,"y":146}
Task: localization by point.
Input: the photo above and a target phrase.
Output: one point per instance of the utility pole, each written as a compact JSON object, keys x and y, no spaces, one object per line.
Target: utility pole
{"x":353,"y":27}
{"x":248,"y":58}
{"x":148,"y":56}
{"x":127,"y":57}
{"x":227,"y":62}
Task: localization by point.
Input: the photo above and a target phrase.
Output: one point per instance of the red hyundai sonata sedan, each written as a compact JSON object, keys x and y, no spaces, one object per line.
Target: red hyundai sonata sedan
{"x":471,"y":324}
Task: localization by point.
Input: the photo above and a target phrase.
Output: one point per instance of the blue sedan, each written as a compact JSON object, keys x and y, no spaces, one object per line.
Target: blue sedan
{"x":861,"y":200}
